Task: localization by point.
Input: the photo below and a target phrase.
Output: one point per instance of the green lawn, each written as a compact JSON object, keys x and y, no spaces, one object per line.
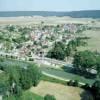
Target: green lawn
{"x":66,"y":75}
{"x":54,"y":80}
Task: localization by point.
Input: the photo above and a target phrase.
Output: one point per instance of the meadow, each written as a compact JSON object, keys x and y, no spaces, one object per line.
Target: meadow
{"x":93,"y":44}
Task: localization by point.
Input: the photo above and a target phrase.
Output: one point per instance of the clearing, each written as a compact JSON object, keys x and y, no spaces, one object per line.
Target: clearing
{"x":61,"y":92}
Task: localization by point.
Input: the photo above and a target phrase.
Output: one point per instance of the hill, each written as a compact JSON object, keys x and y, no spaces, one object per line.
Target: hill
{"x":74,"y":14}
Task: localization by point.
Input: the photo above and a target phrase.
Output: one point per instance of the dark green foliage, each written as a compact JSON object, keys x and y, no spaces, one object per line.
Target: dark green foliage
{"x":1,"y":59}
{"x":30,"y":76}
{"x":13,"y":72}
{"x":18,"y":91}
{"x":31,"y":59}
{"x":57,"y":51}
{"x":84,"y":60}
{"x":60,"y":50}
{"x":4,"y":83}
{"x":98,"y":66}
{"x":49,"y":97}
{"x":25,"y":79}
{"x":75,"y":83}
{"x":23,"y":75}
{"x":11,"y":28}
{"x":68,"y":51}
{"x":95,"y":89}
{"x":86,"y":86}
{"x":86,"y":95}
{"x":72,"y":83}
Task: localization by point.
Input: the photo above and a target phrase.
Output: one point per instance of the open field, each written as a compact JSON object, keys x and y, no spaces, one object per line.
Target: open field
{"x":61,"y":92}
{"x":62,"y":75}
{"x":47,"y":20}
{"x":93,"y":42}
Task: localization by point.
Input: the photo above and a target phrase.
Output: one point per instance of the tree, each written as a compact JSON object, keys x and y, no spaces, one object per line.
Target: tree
{"x":98,"y":66}
{"x":11,"y":28}
{"x":49,"y":97}
{"x":25,"y":80}
{"x":4,"y":84}
{"x":57,"y":51}
{"x":30,"y":76}
{"x":84,"y":61}
{"x":68,"y":51}
{"x":13,"y":72}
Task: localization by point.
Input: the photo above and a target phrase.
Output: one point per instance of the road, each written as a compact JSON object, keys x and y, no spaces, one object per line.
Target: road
{"x":40,"y":60}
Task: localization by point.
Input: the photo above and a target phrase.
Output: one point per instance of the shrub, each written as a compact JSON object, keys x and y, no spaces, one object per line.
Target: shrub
{"x":31,"y":59}
{"x":75,"y":83}
{"x":49,"y":97}
{"x":86,"y":86}
{"x":70,"y":83}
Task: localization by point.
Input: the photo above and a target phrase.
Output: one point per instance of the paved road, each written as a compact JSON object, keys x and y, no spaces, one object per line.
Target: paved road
{"x":41,"y":60}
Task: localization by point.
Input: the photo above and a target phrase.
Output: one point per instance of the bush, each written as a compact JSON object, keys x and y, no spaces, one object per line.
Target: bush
{"x":18,"y":91}
{"x":1,"y":59}
{"x":75,"y":83}
{"x":49,"y":97}
{"x":86,"y":86}
{"x":31,"y":59}
{"x":30,"y":76}
{"x":72,"y":83}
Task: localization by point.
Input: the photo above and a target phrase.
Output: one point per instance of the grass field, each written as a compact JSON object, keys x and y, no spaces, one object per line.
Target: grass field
{"x":67,"y":76}
{"x":93,"y":42}
{"x":61,"y":92}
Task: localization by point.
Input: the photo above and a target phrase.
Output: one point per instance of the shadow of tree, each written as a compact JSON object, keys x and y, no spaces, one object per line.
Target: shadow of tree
{"x":86,"y":95}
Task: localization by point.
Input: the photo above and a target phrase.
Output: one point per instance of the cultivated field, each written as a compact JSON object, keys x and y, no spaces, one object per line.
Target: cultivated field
{"x":61,"y":92}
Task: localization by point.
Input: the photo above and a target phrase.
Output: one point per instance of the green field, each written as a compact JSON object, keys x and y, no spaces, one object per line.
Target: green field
{"x":66,"y":75}
{"x":93,"y":42}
